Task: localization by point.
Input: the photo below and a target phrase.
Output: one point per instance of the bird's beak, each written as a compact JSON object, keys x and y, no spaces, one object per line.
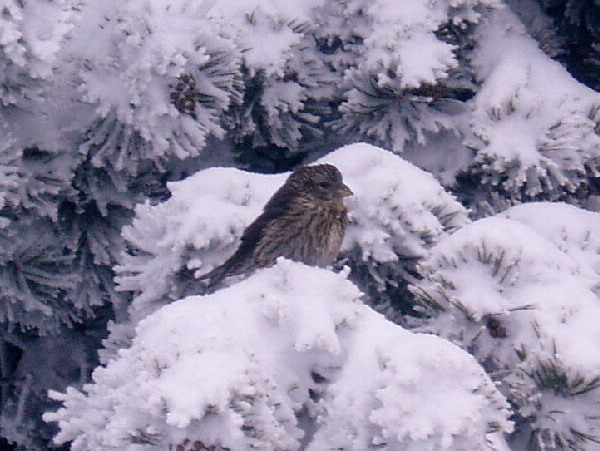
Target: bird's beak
{"x":344,"y":191}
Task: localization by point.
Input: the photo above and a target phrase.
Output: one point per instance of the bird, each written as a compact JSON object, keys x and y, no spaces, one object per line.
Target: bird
{"x":305,"y":221}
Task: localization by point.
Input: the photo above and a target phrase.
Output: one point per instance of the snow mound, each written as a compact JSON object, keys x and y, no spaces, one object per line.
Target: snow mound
{"x":500,"y":268}
{"x":290,"y":349}
{"x":573,"y":230}
{"x":518,"y":294}
{"x":397,"y":209}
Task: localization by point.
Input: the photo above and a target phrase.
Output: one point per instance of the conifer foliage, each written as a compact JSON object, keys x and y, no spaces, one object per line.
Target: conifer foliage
{"x":113,"y":117}
{"x":535,"y":138}
{"x":578,"y":24}
{"x":515,"y":290}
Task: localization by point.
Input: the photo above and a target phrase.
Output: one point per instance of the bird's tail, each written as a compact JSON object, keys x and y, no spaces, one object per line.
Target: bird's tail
{"x":231,"y":267}
{"x":213,"y":278}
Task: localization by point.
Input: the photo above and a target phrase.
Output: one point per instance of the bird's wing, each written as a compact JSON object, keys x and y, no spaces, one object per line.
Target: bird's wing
{"x":250,"y":239}
{"x":243,"y":259}
{"x":278,"y":205}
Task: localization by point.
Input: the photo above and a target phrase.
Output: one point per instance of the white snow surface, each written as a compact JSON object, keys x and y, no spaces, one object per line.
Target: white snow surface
{"x":31,"y":35}
{"x":541,"y":293}
{"x":518,"y":290}
{"x":397,"y":209}
{"x":236,"y":369}
{"x":402,"y":39}
{"x":266,"y":29}
{"x":573,"y":230}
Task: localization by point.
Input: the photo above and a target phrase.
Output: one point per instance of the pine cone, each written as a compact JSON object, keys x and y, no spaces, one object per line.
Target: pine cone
{"x":184,"y":95}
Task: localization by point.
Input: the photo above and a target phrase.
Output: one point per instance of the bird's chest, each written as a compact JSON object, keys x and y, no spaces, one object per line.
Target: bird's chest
{"x":309,"y":232}
{"x":325,"y":230}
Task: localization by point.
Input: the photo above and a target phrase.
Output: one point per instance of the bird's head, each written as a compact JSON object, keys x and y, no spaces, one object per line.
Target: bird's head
{"x":323,"y":181}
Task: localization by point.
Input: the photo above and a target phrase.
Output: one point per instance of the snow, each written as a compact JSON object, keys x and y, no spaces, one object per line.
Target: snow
{"x":397,"y":208}
{"x":573,"y":230}
{"x":533,"y":270}
{"x":403,"y":40}
{"x":188,"y":220}
{"x":269,"y":46}
{"x":403,"y":390}
{"x":135,"y":60}
{"x":301,"y":11}
{"x":531,"y":119}
{"x":397,"y":49}
{"x":289,"y":358}
{"x":31,"y":36}
{"x":237,"y":369}
{"x":500,"y":267}
{"x":92,"y":121}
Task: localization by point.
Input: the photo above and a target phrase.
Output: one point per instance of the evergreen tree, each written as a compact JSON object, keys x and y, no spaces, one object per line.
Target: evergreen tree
{"x":103,"y":103}
{"x":516,"y":293}
{"x":31,"y":38}
{"x":533,"y":128}
{"x":89,"y":131}
{"x":283,"y":109}
{"x":38,"y":280}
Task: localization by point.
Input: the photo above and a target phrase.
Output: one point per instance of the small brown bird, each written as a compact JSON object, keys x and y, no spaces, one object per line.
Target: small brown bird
{"x":305,"y":221}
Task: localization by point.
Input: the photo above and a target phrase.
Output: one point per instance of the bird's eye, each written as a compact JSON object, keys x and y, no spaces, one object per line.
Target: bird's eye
{"x":324,"y":184}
